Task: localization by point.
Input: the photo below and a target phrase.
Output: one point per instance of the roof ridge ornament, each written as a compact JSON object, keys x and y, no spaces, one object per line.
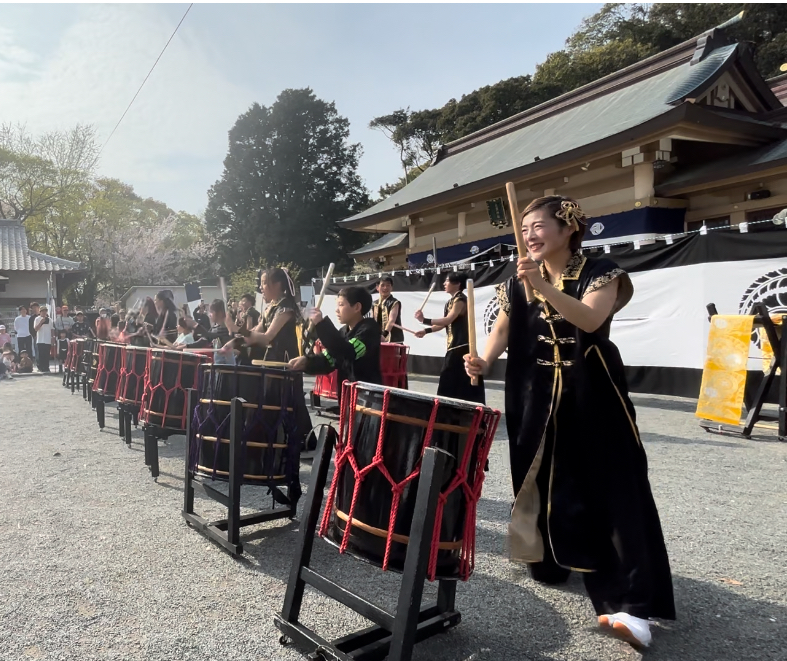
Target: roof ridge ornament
{"x":714,"y":38}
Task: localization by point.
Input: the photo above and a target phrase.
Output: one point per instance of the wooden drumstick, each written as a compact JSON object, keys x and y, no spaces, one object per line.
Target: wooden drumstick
{"x":471,"y":326}
{"x":323,"y":290}
{"x":406,"y":330}
{"x":521,"y":247}
{"x":428,"y":294}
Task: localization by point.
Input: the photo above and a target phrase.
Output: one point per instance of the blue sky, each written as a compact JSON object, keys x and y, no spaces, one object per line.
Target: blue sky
{"x":64,"y":64}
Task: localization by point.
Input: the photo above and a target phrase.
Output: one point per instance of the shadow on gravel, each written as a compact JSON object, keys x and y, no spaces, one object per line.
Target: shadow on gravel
{"x":500,"y":619}
{"x":683,"y":405}
{"x":716,"y":622}
{"x":677,"y":440}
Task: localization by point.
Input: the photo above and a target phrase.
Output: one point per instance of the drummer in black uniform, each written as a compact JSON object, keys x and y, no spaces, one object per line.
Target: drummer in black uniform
{"x":355,"y":349}
{"x":387,"y":311}
{"x":275,"y":337}
{"x":166,"y":325}
{"x":454,"y":381}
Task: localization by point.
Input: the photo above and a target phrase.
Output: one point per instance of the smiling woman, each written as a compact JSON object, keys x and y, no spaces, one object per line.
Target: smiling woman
{"x":582,"y":497}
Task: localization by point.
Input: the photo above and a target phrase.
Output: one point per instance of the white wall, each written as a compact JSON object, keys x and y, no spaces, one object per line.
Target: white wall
{"x":208,"y":294}
{"x":29,"y":285}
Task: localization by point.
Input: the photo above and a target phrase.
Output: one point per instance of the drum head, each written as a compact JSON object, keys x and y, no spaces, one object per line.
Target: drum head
{"x":420,"y":396}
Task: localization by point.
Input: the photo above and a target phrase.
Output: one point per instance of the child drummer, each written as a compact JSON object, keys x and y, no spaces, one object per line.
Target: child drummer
{"x":354,"y":350}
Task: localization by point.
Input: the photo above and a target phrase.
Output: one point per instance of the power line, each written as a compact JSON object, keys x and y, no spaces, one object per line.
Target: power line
{"x":146,"y":77}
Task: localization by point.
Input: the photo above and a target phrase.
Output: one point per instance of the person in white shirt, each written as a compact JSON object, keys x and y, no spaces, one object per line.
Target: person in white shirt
{"x":185,"y":335}
{"x":43,"y":328}
{"x":24,"y":340}
{"x":63,"y":322}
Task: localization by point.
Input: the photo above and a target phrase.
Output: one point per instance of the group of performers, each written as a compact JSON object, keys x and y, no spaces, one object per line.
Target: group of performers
{"x":582,"y":499}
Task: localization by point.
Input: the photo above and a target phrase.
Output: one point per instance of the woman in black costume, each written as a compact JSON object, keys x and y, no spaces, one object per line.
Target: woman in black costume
{"x":166,"y":324}
{"x":580,"y":474}
{"x":277,"y":332}
{"x":137,"y":325}
{"x":276,"y":337}
{"x":454,"y":382}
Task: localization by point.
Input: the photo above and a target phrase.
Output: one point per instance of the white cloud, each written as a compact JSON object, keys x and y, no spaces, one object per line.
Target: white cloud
{"x":168,"y":143}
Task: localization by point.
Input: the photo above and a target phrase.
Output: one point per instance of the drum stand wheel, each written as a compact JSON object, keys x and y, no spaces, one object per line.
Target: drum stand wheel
{"x":226,"y":532}
{"x":394,"y":635}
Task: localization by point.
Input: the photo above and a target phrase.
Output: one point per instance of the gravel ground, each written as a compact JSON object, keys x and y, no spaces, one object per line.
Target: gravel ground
{"x":97,"y":562}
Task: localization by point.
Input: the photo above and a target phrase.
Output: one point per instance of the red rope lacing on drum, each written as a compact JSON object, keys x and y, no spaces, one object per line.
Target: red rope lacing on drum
{"x":130,"y":356}
{"x":151,"y":389}
{"x":472,"y":494}
{"x":106,"y":371}
{"x":344,"y":455}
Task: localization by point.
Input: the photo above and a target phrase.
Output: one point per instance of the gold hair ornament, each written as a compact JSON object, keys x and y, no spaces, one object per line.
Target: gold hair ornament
{"x":571,"y":214}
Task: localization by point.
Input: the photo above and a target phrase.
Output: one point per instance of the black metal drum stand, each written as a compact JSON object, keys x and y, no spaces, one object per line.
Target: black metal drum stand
{"x":394,"y":634}
{"x":226,"y":532}
{"x":128,"y":414}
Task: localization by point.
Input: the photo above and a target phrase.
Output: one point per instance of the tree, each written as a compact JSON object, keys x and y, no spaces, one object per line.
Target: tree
{"x":121,"y":240}
{"x":289,"y":175}
{"x":417,"y":135}
{"x":36,"y":173}
{"x":244,"y":281}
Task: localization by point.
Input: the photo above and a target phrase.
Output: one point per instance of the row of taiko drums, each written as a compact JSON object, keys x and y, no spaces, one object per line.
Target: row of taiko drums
{"x":383,"y":434}
{"x":150,"y":383}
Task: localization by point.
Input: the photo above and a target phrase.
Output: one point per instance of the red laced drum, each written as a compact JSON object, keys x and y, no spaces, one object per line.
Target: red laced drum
{"x":74,"y":354}
{"x":393,"y":364}
{"x":170,"y":374}
{"x":88,"y":358}
{"x":383,"y":433}
{"x":131,"y":386}
{"x":110,"y":361}
{"x":77,"y":355}
{"x":325,"y":385}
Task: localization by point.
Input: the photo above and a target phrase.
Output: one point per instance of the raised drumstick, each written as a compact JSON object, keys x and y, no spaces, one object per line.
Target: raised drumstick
{"x":428,"y":294}
{"x":406,"y":330}
{"x":323,"y":290}
{"x":521,"y":247}
{"x":471,"y":326}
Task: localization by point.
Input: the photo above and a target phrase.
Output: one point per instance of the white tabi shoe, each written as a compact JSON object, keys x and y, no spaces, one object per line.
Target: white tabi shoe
{"x":634,"y":630}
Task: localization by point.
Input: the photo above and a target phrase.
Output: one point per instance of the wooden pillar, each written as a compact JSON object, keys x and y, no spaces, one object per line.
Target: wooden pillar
{"x":462,"y":225}
{"x":643,"y":181}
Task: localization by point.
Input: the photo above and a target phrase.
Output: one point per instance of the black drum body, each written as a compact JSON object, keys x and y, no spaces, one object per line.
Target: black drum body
{"x":462,"y":429}
{"x":91,"y":358}
{"x":87,"y":347}
{"x":270,"y":447}
{"x":169,"y":375}
{"x":132,"y":376}
{"x":110,"y":362}
{"x":77,"y":349}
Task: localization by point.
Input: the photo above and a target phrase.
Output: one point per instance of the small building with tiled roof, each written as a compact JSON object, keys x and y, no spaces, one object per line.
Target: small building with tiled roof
{"x":693,"y":135}
{"x":27,"y":275}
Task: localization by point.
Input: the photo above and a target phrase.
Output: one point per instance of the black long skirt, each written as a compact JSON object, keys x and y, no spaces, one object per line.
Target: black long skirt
{"x":454,"y":381}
